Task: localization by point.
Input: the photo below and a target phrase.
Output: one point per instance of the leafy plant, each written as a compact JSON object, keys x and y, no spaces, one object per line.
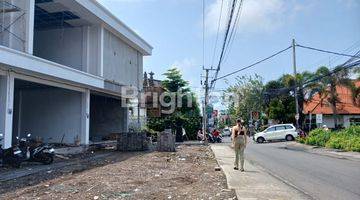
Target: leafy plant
{"x":346,"y":139}
{"x":318,"y":137}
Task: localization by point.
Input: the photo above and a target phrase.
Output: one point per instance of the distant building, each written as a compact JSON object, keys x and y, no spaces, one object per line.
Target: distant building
{"x":348,"y":111}
{"x":153,"y":89}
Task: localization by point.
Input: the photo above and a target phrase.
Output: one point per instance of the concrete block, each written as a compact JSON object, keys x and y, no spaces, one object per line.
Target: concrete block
{"x":166,"y":141}
{"x":128,"y":141}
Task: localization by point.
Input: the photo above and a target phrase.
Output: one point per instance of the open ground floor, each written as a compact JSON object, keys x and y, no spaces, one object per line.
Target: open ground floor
{"x":57,"y":111}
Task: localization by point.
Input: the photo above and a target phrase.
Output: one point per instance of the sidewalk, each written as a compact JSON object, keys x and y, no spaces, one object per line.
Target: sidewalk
{"x":255,"y":183}
{"x":355,"y":156}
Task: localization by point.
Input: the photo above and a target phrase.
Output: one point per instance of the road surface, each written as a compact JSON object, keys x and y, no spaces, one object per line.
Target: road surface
{"x":319,"y":176}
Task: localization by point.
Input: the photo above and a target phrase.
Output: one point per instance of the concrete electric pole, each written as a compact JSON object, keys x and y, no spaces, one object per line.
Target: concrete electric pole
{"x":206,"y":101}
{"x":297,"y":116}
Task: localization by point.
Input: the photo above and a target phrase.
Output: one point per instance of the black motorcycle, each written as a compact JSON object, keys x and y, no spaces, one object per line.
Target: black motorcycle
{"x":210,"y":138}
{"x":31,"y":151}
{"x":214,"y":139}
{"x":218,"y":138}
{"x":11,"y":156}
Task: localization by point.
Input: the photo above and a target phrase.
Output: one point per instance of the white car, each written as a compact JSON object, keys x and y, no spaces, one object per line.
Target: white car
{"x":226,"y":132}
{"x":277,"y":132}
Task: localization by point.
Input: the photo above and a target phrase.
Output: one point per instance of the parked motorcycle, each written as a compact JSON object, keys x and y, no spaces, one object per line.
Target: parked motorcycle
{"x":210,"y":138}
{"x":10,"y":156}
{"x":213,"y":139}
{"x":31,"y":151}
{"x":301,"y":133}
{"x":218,"y":138}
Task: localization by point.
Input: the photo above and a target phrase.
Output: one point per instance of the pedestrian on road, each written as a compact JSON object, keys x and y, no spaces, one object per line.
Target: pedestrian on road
{"x":240,"y":140}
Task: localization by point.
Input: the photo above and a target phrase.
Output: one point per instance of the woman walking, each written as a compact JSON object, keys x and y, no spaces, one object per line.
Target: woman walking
{"x":240,"y":140}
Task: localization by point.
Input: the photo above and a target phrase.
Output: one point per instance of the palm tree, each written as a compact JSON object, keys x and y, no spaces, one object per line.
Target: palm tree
{"x":326,"y":87}
{"x":289,"y":82}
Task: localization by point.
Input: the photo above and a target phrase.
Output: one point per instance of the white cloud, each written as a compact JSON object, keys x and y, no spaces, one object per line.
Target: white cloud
{"x":189,"y":69}
{"x":257,"y":15}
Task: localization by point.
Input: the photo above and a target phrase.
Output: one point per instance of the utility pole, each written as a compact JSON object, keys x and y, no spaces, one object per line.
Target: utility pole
{"x":206,"y":101}
{"x":295,"y":81}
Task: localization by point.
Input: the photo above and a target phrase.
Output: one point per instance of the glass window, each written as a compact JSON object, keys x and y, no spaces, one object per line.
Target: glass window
{"x":279,"y":128}
{"x":270,"y":129}
{"x":289,"y":127}
{"x":354,"y":121}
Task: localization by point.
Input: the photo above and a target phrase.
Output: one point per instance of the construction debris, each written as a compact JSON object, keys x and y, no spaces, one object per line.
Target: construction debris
{"x":132,"y":142}
{"x":156,"y":175}
{"x":166,"y":141}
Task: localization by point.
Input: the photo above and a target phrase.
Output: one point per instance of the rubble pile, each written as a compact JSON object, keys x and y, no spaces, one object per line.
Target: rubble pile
{"x":187,"y":173}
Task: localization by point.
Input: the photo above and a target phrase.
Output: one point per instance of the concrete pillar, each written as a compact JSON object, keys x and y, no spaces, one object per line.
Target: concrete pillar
{"x":6,"y":108}
{"x":30,"y":19}
{"x":22,"y":26}
{"x":126,"y":118}
{"x":85,"y":117}
{"x":86,"y":49}
{"x":101,"y":50}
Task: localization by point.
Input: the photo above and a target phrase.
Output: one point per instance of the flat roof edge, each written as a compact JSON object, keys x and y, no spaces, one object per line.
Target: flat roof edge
{"x":110,"y":19}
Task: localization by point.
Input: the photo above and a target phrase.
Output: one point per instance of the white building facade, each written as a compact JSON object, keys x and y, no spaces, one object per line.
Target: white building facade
{"x":63,"y":64}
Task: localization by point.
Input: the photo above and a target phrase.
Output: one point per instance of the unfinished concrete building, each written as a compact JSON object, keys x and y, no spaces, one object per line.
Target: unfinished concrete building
{"x":62,"y":66}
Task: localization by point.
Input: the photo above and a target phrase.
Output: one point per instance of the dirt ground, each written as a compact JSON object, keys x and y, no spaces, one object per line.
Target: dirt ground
{"x":187,"y":174}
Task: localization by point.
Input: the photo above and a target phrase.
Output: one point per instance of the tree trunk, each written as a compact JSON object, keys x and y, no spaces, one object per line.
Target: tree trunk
{"x":333,"y":102}
{"x":333,"y":107}
{"x":301,"y":108}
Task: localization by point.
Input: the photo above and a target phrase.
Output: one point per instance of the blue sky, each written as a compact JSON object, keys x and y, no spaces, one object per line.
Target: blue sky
{"x":174,"y":29}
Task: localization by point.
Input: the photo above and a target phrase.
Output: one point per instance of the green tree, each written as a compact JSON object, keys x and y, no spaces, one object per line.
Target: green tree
{"x":247,"y":96}
{"x":174,"y":81}
{"x":289,"y":81}
{"x":279,"y":104}
{"x":183,"y":116}
{"x":327,"y":87}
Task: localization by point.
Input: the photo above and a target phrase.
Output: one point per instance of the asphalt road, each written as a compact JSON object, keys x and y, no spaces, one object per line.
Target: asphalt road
{"x":319,"y":176}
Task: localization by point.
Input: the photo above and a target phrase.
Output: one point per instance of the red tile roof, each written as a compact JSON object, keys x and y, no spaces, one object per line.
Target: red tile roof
{"x":345,"y":106}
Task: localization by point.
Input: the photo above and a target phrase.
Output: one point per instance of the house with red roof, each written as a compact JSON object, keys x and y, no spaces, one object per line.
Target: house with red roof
{"x":348,"y":110}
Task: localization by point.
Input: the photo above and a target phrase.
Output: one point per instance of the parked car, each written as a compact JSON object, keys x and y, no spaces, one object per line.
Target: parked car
{"x":277,"y":132}
{"x":226,"y":132}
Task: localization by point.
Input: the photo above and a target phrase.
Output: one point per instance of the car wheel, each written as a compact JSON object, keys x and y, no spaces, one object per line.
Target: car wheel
{"x":289,"y":138}
{"x":260,"y":140}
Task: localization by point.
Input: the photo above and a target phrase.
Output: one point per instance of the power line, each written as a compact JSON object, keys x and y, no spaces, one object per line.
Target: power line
{"x":306,"y":47}
{"x":231,"y":39}
{"x":348,"y":50}
{"x":348,"y":66}
{"x":217,"y":34}
{"x":234,"y":30}
{"x":334,"y":58}
{"x":326,"y":51}
{"x":225,"y":42}
{"x":226,"y":34}
{"x":345,"y":66}
{"x":252,"y":65}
